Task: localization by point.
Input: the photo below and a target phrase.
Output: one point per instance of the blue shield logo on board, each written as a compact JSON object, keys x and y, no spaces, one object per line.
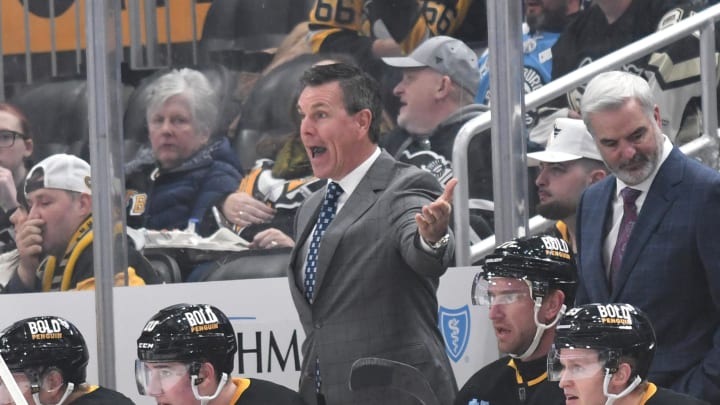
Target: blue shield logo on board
{"x":455,"y":328}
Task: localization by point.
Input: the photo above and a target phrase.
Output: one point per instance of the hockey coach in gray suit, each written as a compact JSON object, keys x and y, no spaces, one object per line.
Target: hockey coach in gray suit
{"x":370,"y":248}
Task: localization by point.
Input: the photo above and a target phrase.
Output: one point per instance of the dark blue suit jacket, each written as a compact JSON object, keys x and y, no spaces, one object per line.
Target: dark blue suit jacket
{"x":671,"y":269}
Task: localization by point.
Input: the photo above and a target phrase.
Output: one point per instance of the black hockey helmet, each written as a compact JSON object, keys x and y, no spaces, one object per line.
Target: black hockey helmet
{"x":545,"y":261}
{"x":43,"y":342}
{"x":189,"y":333}
{"x":616,"y":331}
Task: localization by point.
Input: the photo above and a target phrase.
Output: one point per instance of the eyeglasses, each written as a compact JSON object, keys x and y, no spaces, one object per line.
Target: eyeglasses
{"x":7,"y":138}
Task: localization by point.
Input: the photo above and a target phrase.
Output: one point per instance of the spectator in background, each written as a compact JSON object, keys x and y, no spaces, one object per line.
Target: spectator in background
{"x":568,"y":165}
{"x":373,"y":29}
{"x":191,"y":172}
{"x":48,"y":357}
{"x":673,"y":71}
{"x":383,"y":253}
{"x":602,"y":354}
{"x":647,"y":234}
{"x":439,"y":81}
{"x":55,"y":240}
{"x":183,"y":362}
{"x":264,"y":207}
{"x":527,"y":283}
{"x":545,"y":20}
{"x":10,"y":260}
{"x":16,"y":147}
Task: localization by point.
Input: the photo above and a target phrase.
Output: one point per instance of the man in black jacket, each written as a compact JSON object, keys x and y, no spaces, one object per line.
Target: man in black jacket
{"x":527,"y":283}
{"x":438,"y":86}
{"x":56,"y":239}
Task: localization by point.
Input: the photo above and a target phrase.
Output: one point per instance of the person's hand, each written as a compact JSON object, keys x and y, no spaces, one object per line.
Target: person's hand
{"x":242,"y":210}
{"x":434,"y":219}
{"x":386,"y":48}
{"x":8,"y":191}
{"x":28,"y":238}
{"x":271,"y":238}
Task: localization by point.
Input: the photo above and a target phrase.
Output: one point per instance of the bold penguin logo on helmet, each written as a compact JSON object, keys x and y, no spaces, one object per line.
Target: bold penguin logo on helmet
{"x":189,"y":333}
{"x":622,"y":330}
{"x":45,"y":341}
{"x":544,"y":260}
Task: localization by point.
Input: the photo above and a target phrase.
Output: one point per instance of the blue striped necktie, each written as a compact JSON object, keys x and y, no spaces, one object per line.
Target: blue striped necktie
{"x":327,"y":213}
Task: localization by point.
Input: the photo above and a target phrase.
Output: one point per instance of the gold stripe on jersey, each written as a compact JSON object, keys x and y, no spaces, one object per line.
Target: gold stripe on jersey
{"x":242,"y":384}
{"x":249,"y":183}
{"x":519,"y":379}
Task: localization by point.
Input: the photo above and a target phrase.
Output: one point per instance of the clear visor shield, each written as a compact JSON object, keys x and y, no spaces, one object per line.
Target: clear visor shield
{"x":574,"y":364}
{"x":155,"y":378}
{"x":23,"y":383}
{"x":498,"y":290}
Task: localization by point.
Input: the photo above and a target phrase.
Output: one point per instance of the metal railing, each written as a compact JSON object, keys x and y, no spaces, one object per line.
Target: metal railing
{"x":145,"y":50}
{"x":466,"y":254}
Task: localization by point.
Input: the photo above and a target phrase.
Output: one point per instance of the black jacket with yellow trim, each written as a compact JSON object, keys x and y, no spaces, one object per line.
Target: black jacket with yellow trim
{"x":76,"y":271}
{"x":508,"y":381}
{"x":261,"y":392}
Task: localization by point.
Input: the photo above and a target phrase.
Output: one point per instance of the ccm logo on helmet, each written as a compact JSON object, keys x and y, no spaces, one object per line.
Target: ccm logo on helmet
{"x":615,"y":314}
{"x":45,"y":329}
{"x":202,"y":320}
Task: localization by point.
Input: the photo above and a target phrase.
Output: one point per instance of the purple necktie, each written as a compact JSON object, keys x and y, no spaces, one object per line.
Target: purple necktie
{"x":629,"y":195}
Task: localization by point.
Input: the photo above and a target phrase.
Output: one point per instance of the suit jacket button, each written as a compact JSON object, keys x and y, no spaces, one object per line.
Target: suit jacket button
{"x":318,"y":325}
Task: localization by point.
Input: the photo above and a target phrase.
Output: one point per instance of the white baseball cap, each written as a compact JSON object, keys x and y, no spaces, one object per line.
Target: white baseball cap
{"x":60,"y":171}
{"x":569,"y":140}
{"x":446,"y":55}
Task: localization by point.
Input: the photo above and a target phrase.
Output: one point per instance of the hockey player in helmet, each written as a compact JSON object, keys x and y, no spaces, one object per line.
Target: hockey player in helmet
{"x":47,"y":356}
{"x":527,"y":284}
{"x":602,"y":354}
{"x":186,"y":354}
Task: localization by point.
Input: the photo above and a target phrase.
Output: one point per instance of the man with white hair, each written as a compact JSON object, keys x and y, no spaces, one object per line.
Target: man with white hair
{"x":647,"y":234}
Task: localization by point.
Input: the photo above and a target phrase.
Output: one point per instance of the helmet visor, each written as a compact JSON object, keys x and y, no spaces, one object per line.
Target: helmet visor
{"x":574,"y":364}
{"x":498,"y":290}
{"x":23,"y":382}
{"x":154,"y":378}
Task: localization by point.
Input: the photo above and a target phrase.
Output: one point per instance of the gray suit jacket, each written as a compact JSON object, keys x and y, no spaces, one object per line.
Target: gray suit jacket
{"x":671,"y":270}
{"x":375,"y":293}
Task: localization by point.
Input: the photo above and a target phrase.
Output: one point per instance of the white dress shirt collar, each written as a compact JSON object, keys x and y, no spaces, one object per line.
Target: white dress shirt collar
{"x":350,"y":182}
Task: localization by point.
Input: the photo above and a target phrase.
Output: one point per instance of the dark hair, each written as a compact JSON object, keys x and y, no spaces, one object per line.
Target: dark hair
{"x":360,"y":90}
{"x":24,"y":124}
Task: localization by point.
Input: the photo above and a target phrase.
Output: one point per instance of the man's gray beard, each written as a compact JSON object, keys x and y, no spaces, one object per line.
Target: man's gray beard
{"x":650,"y":165}
{"x":555,"y":210}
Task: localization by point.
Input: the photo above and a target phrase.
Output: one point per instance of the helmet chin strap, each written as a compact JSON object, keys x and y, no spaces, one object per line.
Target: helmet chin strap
{"x":68,"y":391}
{"x":205,"y":399}
{"x":611,"y":398}
{"x":539,"y":330}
